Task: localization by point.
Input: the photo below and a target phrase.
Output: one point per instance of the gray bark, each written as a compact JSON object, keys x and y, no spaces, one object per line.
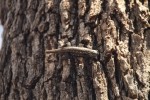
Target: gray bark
{"x":118,"y":29}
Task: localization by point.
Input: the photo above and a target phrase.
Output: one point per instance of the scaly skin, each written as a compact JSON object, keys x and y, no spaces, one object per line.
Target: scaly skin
{"x":75,"y":50}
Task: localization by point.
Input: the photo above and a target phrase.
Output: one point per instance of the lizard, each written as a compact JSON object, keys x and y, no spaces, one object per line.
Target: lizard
{"x":80,"y":51}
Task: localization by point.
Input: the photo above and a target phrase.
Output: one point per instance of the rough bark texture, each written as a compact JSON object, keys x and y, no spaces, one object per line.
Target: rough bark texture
{"x":118,"y":29}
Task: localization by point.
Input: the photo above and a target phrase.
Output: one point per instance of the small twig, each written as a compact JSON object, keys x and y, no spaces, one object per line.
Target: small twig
{"x":75,"y":50}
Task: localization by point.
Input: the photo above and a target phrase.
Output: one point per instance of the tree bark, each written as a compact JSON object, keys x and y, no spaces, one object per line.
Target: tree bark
{"x":118,"y":29}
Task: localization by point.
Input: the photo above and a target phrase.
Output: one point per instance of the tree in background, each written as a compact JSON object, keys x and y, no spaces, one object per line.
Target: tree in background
{"x":118,"y":29}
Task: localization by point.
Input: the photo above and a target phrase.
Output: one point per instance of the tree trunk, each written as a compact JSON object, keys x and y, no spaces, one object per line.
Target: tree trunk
{"x":118,"y":29}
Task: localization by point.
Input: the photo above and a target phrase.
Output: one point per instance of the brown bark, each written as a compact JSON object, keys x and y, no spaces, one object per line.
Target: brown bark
{"x":118,"y":29}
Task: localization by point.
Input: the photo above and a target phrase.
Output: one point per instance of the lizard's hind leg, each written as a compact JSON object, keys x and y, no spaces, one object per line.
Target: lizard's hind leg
{"x":59,"y":61}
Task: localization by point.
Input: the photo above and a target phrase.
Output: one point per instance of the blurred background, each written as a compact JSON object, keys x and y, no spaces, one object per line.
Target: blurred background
{"x":1,"y":31}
